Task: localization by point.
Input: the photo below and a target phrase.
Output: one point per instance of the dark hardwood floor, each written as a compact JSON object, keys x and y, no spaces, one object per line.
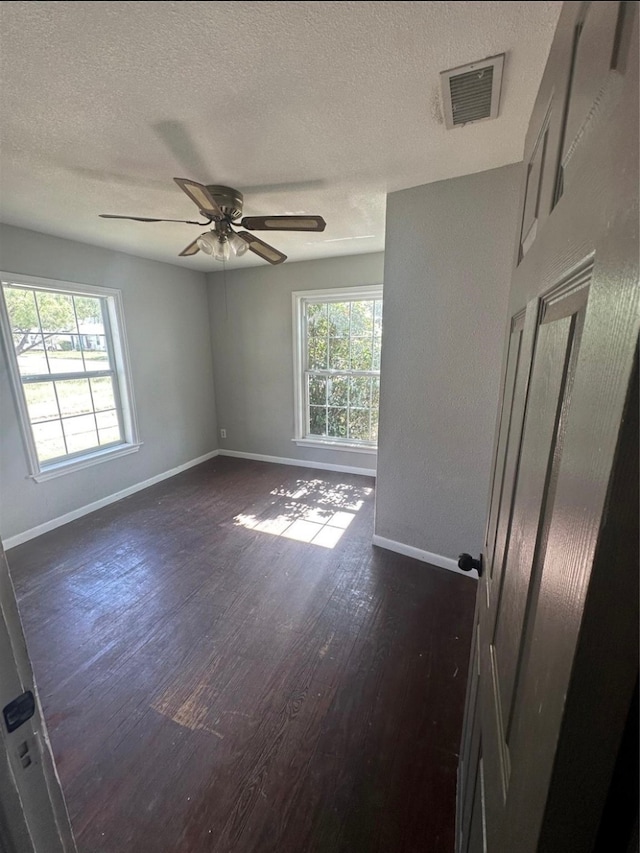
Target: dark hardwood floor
{"x":227,"y":664}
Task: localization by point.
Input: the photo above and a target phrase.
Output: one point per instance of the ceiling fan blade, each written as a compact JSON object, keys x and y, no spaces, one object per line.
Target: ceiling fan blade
{"x":201,"y":196}
{"x":191,"y":249}
{"x":284,"y":223}
{"x":264,"y":250}
{"x":147,"y":219}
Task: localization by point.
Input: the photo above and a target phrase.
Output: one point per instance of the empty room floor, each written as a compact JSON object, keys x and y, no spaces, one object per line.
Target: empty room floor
{"x":227,"y":664}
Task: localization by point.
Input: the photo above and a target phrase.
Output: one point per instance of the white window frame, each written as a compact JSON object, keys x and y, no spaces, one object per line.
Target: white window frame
{"x":41,"y":471}
{"x":300,"y":299}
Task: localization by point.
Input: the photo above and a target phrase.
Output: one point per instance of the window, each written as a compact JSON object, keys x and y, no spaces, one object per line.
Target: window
{"x":67,"y":358}
{"x":337,"y":367}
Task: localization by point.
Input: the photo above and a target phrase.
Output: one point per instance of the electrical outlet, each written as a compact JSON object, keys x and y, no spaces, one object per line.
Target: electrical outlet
{"x":223,"y":433}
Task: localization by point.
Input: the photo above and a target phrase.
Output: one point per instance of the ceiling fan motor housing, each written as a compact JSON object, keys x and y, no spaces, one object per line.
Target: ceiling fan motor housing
{"x":228,"y":199}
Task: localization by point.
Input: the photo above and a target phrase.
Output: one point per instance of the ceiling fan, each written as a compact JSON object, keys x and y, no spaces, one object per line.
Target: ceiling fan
{"x":222,"y":208}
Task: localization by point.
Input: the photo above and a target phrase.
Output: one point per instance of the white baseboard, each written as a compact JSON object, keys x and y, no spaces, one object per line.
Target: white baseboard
{"x":301,"y":463}
{"x":418,"y":554}
{"x":19,"y":538}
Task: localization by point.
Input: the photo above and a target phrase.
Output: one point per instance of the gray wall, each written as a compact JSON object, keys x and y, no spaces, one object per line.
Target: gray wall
{"x":449,"y":248}
{"x":251,"y":323}
{"x":166,"y":318}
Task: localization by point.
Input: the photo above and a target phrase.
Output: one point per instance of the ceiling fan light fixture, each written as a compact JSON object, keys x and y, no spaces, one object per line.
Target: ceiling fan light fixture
{"x":205,"y":243}
{"x":239,"y":247}
{"x":216,"y":245}
{"x":221,"y":249}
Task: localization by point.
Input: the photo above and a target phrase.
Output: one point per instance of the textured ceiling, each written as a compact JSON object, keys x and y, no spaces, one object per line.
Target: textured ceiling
{"x":308,"y":107}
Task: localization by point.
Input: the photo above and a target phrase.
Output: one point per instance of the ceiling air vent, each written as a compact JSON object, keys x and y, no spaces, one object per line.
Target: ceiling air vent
{"x":472,"y":92}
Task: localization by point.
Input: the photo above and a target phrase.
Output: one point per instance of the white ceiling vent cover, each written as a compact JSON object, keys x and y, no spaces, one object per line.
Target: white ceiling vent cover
{"x":471,"y":92}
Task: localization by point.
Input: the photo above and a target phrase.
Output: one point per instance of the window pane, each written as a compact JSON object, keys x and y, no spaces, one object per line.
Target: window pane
{"x":362,"y":318}
{"x":108,"y":427}
{"x":74,"y":397}
{"x":376,"y":353}
{"x":94,"y":348}
{"x":317,"y":420}
{"x":317,"y":320}
{"x":64,"y":355}
{"x":56,"y":312}
{"x":339,"y":319}
{"x":110,"y":435}
{"x":89,"y":313}
{"x":375,"y":393}
{"x":21,"y":307}
{"x":359,"y":424}
{"x":317,"y":391}
{"x":338,"y":353}
{"x":344,"y":338}
{"x":374,"y":425}
{"x":32,"y":359}
{"x":361,"y":353}
{"x":49,"y":441}
{"x":360,"y":391}
{"x":338,"y":391}
{"x":337,"y":423}
{"x":317,"y":354}
{"x":103,"y":393}
{"x":41,"y":401}
{"x":107,"y":419}
{"x":80,"y":433}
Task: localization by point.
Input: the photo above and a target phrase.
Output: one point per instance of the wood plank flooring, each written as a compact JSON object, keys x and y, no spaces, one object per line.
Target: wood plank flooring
{"x":227,"y":664}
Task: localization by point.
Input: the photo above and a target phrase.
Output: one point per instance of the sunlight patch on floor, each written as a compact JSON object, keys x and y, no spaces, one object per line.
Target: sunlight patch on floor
{"x":327,"y":533}
{"x":315,"y":512}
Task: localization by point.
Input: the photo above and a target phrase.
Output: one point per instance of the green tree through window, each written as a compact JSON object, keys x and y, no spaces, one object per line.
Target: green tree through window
{"x":342,"y":369}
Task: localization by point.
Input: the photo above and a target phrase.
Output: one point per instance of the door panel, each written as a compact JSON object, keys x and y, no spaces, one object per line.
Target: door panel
{"x":558,"y":339}
{"x":533,"y":189}
{"x":554,"y":347}
{"x":600,"y":49}
{"x":508,"y":455}
{"x":470,"y":750}
{"x":546,"y":133}
{"x":502,"y":625}
{"x":506,"y":410}
{"x":584,"y":470}
{"x":555,"y":656}
{"x":477,"y":833}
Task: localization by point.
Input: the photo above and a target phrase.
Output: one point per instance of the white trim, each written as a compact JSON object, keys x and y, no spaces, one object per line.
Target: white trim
{"x":120,"y":346}
{"x":299,"y":299}
{"x":340,"y":294}
{"x":118,"y":349}
{"x":330,"y":444}
{"x":19,"y":538}
{"x":85,"y":461}
{"x":40,"y":283}
{"x":299,"y":407}
{"x":425,"y":556}
{"x":301,"y":463}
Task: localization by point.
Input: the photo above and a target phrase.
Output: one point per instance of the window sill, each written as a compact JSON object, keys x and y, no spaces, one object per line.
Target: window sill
{"x":64,"y":467}
{"x":335,"y":445}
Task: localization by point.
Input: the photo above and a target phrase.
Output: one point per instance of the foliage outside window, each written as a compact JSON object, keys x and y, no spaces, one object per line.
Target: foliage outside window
{"x":338,"y":343}
{"x":67,"y":357}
